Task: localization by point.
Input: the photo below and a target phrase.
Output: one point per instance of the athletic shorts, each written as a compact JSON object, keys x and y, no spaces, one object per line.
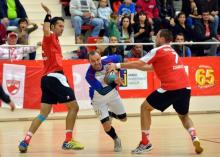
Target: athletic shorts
{"x":161,"y":99}
{"x":55,"y":89}
{"x":109,"y":102}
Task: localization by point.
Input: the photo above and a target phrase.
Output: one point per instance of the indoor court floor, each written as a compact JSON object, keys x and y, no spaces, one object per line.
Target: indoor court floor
{"x":167,"y":136}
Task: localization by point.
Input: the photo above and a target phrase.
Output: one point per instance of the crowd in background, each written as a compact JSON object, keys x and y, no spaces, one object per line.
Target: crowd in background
{"x":120,"y":21}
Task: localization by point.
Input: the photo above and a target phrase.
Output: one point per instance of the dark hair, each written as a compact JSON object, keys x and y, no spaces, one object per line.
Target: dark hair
{"x":22,"y":20}
{"x":130,"y":29}
{"x":167,"y":35}
{"x":181,"y":13}
{"x":92,"y":53}
{"x":54,"y":20}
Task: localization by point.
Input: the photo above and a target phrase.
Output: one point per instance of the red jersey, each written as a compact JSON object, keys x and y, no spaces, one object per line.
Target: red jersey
{"x":52,"y":54}
{"x":168,"y":67}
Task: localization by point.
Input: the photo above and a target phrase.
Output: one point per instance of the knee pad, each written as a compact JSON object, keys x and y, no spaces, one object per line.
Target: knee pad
{"x":41,"y":117}
{"x":122,"y":116}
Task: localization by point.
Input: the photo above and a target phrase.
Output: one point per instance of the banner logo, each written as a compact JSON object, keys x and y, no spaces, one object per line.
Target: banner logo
{"x":13,"y":86}
{"x":205,"y":76}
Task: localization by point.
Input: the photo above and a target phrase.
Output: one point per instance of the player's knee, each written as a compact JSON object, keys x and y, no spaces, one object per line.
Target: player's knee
{"x":122,"y":117}
{"x":146,"y":106}
{"x":73,"y":106}
{"x":106,"y":124}
{"x":41,"y":117}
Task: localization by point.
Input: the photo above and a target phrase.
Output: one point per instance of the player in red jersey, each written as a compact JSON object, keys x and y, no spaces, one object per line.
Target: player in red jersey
{"x":54,"y":86}
{"x":175,"y":88}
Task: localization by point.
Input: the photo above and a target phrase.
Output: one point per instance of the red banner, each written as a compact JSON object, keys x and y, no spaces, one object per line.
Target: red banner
{"x":204,"y":75}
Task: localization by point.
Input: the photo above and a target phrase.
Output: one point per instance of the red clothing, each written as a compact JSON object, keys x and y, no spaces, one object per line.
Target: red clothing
{"x":168,"y":67}
{"x":52,"y":54}
{"x":149,"y":7}
{"x":3,"y":34}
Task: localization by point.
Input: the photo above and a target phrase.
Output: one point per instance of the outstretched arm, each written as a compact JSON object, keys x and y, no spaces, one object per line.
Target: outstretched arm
{"x":46,"y":25}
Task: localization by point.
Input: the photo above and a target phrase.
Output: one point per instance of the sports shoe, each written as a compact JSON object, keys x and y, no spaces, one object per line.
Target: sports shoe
{"x":196,"y":144}
{"x":23,"y":146}
{"x":141,"y":148}
{"x":117,"y":145}
{"x":72,"y":145}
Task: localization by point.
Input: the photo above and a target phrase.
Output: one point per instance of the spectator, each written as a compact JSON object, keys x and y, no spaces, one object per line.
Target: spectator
{"x":126,"y":30}
{"x":151,"y":10}
{"x":113,"y":26}
{"x":181,"y":27}
{"x":11,"y":12}
{"x":193,"y":16}
{"x":204,"y":31}
{"x":127,"y":9}
{"x":113,"y":49}
{"x":10,"y":51}
{"x":182,"y":50}
{"x":81,"y":52}
{"x":136,"y":52}
{"x":104,"y":12}
{"x":85,"y":12}
{"x":212,"y":7}
{"x":23,"y":32}
{"x":143,"y":30}
{"x":3,"y":34}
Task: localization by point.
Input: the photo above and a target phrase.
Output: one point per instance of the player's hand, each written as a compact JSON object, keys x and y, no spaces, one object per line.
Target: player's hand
{"x":46,"y":9}
{"x":118,"y":81}
{"x":111,"y":67}
{"x":12,"y":106}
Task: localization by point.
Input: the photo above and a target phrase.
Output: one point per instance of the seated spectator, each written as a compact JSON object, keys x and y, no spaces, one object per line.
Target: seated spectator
{"x":85,"y":12}
{"x":113,"y":26}
{"x":104,"y":12}
{"x":127,"y":9}
{"x":143,"y":30}
{"x":3,"y":34}
{"x":182,"y":50}
{"x":205,"y":31}
{"x":100,"y":40}
{"x":151,"y":10}
{"x":126,"y":30}
{"x":212,"y":7}
{"x":23,"y":32}
{"x":113,"y":49}
{"x":136,"y":52}
{"x":8,"y":51}
{"x":166,"y":12}
{"x":81,"y":52}
{"x":11,"y":12}
{"x":181,"y":27}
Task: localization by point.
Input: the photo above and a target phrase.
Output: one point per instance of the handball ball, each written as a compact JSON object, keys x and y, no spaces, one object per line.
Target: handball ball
{"x":110,"y":77}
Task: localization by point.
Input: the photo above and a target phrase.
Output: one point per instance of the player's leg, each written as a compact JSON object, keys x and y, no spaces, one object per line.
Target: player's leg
{"x":182,"y":108}
{"x":69,"y":142}
{"x":101,"y":109}
{"x":159,"y":100}
{"x":44,"y":111}
{"x":116,"y":107}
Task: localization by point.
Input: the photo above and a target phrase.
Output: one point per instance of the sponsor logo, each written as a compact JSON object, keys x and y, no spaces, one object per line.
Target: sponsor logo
{"x":13,"y":86}
{"x":205,"y":76}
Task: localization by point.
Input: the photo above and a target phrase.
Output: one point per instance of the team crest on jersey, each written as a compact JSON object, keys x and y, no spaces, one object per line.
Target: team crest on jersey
{"x":13,"y":86}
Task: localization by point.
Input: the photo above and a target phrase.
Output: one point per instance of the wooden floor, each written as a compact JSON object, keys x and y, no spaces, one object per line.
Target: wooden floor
{"x":167,"y":135}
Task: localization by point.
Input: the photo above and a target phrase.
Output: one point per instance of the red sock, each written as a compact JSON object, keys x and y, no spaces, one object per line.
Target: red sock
{"x":68,"y":135}
{"x":28,"y":137}
{"x":145,"y":137}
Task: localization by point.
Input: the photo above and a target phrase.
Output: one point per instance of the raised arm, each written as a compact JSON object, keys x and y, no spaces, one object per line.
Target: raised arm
{"x":46,"y":25}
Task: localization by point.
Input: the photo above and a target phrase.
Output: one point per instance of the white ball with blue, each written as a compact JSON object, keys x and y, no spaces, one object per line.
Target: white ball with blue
{"x":110,"y":77}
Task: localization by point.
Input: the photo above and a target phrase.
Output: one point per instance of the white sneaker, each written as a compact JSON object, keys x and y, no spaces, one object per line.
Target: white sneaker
{"x":196,"y":144}
{"x":117,"y":145}
{"x":141,"y":148}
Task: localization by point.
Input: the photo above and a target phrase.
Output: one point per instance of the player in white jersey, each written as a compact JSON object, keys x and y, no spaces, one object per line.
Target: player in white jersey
{"x":106,"y":101}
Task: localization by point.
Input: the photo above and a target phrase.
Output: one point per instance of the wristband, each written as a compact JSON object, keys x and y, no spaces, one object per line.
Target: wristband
{"x":118,"y":65}
{"x":47,"y":18}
